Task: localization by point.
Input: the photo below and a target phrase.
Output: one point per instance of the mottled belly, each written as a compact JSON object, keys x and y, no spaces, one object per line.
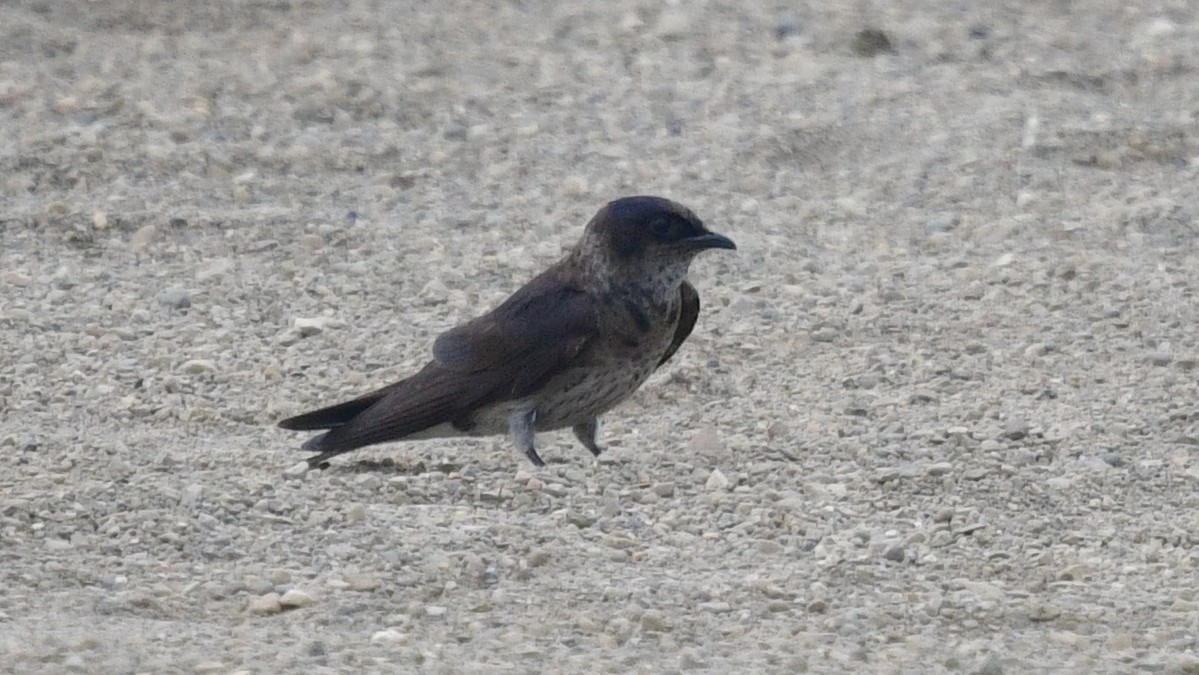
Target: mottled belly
{"x":582,"y":396}
{"x":611,"y":374}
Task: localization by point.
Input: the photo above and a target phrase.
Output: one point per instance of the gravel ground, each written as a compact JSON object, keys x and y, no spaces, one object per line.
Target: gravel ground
{"x":940,"y":413}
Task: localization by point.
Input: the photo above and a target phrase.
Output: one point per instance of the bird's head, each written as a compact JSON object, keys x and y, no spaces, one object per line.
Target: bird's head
{"x":649,"y":234}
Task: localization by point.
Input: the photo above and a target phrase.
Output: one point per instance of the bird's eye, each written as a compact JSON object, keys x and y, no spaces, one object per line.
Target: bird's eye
{"x":662,"y":228}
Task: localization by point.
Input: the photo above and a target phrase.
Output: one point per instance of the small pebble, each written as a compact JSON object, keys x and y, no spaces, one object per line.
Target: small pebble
{"x":778,"y":430}
{"x":295,"y":598}
{"x":870,"y":42}
{"x":990,"y":664}
{"x":310,"y":326}
{"x":1075,"y":572}
{"x":707,"y":443}
{"x":265,"y":604}
{"x":786,"y":25}
{"x":673,"y":24}
{"x":1015,"y":429}
{"x":1043,"y":611}
{"x":390,"y":636}
{"x":894,"y":552}
{"x":823,"y":334}
{"x":362,"y":582}
{"x":574,"y":186}
{"x":143,"y":237}
{"x":296,"y":470}
{"x":175,"y":299}
{"x":356,"y":513}
{"x":939,"y":469}
{"x":199,"y":367}
{"x":717,"y":481}
{"x":1185,"y":663}
{"x":655,"y":622}
{"x":580,"y":520}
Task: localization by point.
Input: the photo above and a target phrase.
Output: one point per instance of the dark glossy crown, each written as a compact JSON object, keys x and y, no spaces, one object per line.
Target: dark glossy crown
{"x":633,"y":223}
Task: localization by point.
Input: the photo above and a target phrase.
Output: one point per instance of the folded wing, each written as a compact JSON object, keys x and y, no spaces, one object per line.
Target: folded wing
{"x":507,"y":354}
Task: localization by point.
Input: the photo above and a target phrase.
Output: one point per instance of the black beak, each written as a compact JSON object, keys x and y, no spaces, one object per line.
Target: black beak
{"x":710,"y":240}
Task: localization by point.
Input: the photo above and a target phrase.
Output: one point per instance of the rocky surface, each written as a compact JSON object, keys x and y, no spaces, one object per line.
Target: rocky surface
{"x":940,"y":413}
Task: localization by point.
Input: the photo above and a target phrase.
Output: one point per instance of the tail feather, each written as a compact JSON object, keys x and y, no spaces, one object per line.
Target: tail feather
{"x":332,"y":416}
{"x":431,"y":397}
{"x":316,"y":443}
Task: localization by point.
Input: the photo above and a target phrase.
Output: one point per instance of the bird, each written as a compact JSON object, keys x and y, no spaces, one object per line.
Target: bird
{"x":561,"y":351}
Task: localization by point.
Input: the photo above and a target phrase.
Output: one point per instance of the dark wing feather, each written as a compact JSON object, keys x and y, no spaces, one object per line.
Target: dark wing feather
{"x":428,"y":398}
{"x":506,"y":354}
{"x":533,"y":336}
{"x":332,"y":416}
{"x":688,"y":313}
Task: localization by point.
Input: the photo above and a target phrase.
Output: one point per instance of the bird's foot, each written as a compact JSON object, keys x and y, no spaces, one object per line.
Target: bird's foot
{"x":585,"y":432}
{"x":521,"y":425}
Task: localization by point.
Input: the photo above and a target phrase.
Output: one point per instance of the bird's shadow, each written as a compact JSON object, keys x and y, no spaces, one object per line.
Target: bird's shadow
{"x":388,"y":466}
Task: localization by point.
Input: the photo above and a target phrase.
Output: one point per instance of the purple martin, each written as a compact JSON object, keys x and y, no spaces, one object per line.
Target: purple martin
{"x":562,"y":350}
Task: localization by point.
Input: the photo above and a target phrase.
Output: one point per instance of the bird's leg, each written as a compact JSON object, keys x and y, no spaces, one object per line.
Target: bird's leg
{"x":520,"y":425}
{"x":585,"y":432}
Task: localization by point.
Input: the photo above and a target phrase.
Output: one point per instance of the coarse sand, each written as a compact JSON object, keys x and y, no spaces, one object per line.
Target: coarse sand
{"x":940,"y":413}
